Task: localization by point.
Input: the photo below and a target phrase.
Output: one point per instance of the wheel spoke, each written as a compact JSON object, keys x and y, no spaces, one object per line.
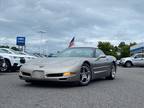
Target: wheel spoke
{"x":85,"y":74}
{"x":113,"y":71}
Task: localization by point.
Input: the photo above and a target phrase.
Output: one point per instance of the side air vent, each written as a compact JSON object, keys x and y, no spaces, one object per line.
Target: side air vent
{"x":26,"y":74}
{"x":55,"y":75}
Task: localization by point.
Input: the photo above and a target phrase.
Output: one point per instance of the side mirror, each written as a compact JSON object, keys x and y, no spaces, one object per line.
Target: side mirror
{"x":102,"y":56}
{"x":135,"y":57}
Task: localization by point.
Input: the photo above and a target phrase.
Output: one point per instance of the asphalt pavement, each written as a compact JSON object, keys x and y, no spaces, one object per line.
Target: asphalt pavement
{"x":126,"y":91}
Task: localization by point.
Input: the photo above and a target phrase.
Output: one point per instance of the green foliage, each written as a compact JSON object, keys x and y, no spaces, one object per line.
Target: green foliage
{"x":14,"y":48}
{"x":122,"y":50}
{"x":134,"y":43}
{"x":108,"y":48}
{"x":125,"y":51}
{"x":4,"y":46}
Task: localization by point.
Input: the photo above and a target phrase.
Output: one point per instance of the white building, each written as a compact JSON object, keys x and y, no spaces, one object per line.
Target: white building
{"x":139,"y":48}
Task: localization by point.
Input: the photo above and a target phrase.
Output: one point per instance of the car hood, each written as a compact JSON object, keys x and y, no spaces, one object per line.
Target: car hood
{"x":127,"y":58}
{"x":56,"y":61}
{"x":54,"y":65}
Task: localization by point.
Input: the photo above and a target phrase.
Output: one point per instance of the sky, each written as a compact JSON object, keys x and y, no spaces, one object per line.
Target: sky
{"x":89,"y":21}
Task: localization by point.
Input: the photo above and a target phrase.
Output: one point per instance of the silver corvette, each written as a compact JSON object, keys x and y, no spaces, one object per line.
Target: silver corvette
{"x":79,"y":64}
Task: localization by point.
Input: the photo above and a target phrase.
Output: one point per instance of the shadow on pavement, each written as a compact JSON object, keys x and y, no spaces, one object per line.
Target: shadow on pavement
{"x":7,"y":73}
{"x":46,"y":84}
{"x":131,"y":67}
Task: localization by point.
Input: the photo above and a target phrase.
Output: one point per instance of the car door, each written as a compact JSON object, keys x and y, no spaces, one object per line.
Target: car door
{"x":101,"y":64}
{"x":138,"y":60}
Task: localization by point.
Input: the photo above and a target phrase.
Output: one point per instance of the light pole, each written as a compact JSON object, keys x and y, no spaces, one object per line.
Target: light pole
{"x":41,"y":33}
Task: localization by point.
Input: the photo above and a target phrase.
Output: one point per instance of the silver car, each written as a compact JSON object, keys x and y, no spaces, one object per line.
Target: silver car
{"x":135,"y":60}
{"x":2,"y":63}
{"x":79,"y":64}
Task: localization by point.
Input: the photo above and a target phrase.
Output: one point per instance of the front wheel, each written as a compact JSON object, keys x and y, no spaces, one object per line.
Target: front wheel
{"x":31,"y":82}
{"x":85,"y":75}
{"x":128,"y":64}
{"x":6,"y":66}
{"x":112,"y":73}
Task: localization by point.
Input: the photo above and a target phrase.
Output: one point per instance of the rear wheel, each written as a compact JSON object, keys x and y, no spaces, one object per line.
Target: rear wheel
{"x":85,"y":75}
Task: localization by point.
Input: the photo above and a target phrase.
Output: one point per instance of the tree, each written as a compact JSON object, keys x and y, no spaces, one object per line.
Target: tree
{"x":132,"y":44}
{"x":15,"y":48}
{"x":108,"y":48}
{"x":4,"y":46}
{"x":121,"y":44}
{"x":120,"y":51}
{"x":124,"y":49}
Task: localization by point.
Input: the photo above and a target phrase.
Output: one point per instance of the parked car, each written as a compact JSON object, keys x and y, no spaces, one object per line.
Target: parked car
{"x":52,"y":55}
{"x":12,"y":58}
{"x":79,"y":64}
{"x":135,"y":60}
{"x":2,"y":63}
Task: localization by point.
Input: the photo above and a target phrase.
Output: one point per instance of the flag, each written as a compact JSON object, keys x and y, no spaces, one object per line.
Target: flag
{"x":71,"y":44}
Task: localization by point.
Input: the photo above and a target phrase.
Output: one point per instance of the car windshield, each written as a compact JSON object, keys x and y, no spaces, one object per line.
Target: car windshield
{"x":77,"y":52}
{"x":16,"y":52}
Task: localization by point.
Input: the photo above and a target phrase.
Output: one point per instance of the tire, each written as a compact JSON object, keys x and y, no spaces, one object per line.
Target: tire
{"x":30,"y":82}
{"x":128,"y":64}
{"x":27,"y":81}
{"x":112,"y":75}
{"x":7,"y":66}
{"x":85,"y":75}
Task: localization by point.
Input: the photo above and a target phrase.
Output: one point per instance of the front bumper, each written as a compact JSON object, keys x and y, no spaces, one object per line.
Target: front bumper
{"x":30,"y":77}
{"x":18,"y":63}
{"x":122,"y":63}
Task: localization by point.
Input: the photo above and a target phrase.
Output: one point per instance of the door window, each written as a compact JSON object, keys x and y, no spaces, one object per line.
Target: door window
{"x":99,"y":52}
{"x":142,"y":55}
{"x":139,"y":56}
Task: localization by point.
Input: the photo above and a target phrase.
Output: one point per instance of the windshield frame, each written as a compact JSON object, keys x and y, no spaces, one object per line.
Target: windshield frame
{"x":93,"y":53}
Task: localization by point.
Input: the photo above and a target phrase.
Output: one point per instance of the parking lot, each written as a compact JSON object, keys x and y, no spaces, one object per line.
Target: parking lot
{"x":126,"y":91}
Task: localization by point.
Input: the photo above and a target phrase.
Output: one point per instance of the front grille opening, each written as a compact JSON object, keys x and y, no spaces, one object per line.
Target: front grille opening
{"x":55,"y":75}
{"x":22,"y":60}
{"x":26,"y":74}
{"x":62,"y":78}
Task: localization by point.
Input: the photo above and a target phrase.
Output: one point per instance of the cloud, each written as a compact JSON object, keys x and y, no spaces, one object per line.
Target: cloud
{"x":89,"y":21}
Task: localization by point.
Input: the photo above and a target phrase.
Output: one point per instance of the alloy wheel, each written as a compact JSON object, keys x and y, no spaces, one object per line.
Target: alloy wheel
{"x":113,"y":73}
{"x":85,"y":75}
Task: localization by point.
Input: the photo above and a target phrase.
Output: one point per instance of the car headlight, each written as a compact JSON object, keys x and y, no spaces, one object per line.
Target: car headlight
{"x":68,"y":73}
{"x":122,"y":60}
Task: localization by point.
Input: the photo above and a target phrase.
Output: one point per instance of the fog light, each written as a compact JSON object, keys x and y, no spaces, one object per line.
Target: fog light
{"x":68,"y":73}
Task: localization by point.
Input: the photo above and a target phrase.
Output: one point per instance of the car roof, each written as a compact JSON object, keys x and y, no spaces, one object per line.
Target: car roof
{"x":138,"y":53}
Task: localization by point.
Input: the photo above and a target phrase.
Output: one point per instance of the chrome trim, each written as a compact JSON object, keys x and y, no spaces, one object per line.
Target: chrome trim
{"x":100,"y":67}
{"x":100,"y":71}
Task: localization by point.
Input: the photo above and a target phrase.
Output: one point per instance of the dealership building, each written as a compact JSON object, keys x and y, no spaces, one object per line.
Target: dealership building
{"x":139,"y":48}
